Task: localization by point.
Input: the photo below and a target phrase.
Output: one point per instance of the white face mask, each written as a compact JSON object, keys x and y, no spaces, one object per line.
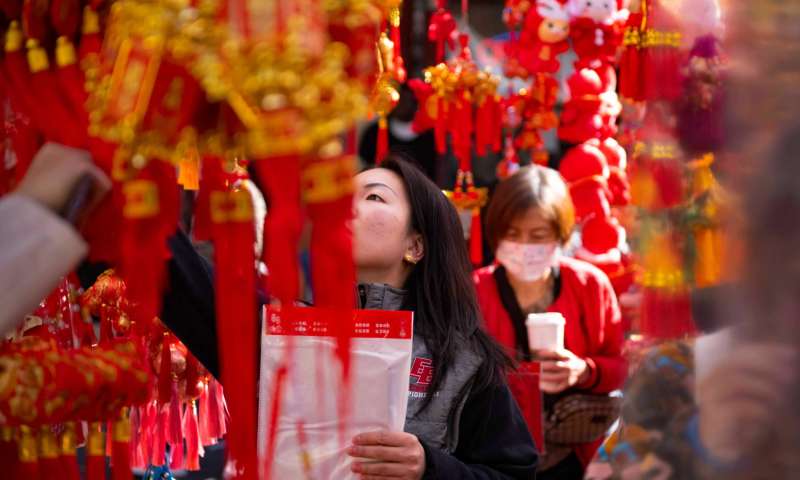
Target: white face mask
{"x":527,"y":261}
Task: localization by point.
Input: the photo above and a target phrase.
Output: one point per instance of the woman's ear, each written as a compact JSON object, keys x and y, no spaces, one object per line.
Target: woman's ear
{"x":416,"y":249}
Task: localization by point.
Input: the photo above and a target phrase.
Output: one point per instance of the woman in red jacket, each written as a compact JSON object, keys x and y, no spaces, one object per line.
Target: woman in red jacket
{"x":530,"y":218}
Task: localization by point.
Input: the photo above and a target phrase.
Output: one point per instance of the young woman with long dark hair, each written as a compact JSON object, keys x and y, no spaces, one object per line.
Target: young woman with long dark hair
{"x":410,"y":254}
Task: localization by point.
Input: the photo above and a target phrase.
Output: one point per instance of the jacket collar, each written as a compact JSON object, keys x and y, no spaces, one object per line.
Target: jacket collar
{"x":373,"y":296}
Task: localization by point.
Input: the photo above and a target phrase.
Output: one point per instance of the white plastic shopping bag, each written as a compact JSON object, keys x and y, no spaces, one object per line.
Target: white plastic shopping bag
{"x":301,"y":376}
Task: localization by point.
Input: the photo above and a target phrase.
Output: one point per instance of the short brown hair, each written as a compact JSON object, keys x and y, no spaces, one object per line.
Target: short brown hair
{"x":531,"y":187}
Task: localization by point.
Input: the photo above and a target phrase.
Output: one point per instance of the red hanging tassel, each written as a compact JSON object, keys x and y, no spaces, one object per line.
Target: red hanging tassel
{"x":482,"y":126}
{"x":95,"y":453}
{"x":165,"y":370}
{"x":71,"y":80}
{"x":175,"y":417}
{"x":121,"y":447}
{"x":91,"y":40}
{"x":233,"y":236}
{"x":45,"y":86}
{"x":150,"y":214}
{"x":137,"y":440}
{"x":49,"y":453}
{"x":331,"y":243}
{"x":441,"y":125}
{"x":213,"y":419}
{"x":224,"y":416}
{"x":68,"y":462}
{"x":203,"y":413}
{"x":109,"y":438}
{"x":327,"y":191}
{"x":382,"y":147}
{"x":19,"y":81}
{"x":159,"y":437}
{"x":194,"y":448}
{"x":281,"y":178}
{"x":476,"y":239}
{"x":28,"y":460}
{"x":192,"y":377}
{"x":8,"y":449}
{"x":175,"y":430}
{"x":149,"y":430}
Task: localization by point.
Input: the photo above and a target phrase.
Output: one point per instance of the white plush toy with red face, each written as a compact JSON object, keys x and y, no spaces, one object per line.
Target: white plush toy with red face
{"x":597,"y":30}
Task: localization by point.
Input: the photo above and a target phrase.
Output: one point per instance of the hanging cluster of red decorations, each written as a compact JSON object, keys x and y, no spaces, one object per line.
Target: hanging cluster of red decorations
{"x":533,"y":53}
{"x":168,"y":94}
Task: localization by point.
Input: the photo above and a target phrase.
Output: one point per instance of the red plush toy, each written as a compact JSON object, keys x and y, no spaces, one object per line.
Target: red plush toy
{"x":585,"y":170}
{"x":582,"y":118}
{"x":544,"y":37}
{"x":617,"y":160}
{"x":596,"y":30}
{"x":600,"y":235}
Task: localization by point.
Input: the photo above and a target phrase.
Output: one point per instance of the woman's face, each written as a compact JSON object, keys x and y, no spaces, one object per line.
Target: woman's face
{"x":382,"y":234}
{"x":531,"y":227}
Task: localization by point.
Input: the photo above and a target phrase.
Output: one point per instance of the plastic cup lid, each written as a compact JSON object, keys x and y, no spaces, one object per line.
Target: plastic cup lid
{"x":549,"y":318}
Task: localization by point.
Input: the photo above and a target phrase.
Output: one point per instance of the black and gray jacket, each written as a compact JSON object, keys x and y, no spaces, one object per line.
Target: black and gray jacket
{"x":466,"y":434}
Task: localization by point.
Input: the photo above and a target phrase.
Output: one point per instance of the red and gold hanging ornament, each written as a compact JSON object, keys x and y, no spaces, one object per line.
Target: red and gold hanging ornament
{"x":467,"y":198}
{"x":632,"y":60}
{"x":463,"y":102}
{"x":662,"y":41}
{"x":384,"y":94}
{"x":536,"y":109}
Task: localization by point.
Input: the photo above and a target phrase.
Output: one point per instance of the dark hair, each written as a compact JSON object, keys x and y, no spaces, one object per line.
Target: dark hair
{"x":531,"y":187}
{"x":440,"y":288}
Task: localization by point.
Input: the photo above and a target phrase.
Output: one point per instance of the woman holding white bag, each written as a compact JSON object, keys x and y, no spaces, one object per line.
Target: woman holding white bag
{"x":462,"y":421}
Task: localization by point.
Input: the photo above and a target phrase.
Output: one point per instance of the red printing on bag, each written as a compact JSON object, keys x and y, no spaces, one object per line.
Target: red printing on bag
{"x":315,"y":322}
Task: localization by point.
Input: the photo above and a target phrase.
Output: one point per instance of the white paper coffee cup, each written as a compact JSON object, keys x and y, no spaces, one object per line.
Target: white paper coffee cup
{"x":545,"y":331}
